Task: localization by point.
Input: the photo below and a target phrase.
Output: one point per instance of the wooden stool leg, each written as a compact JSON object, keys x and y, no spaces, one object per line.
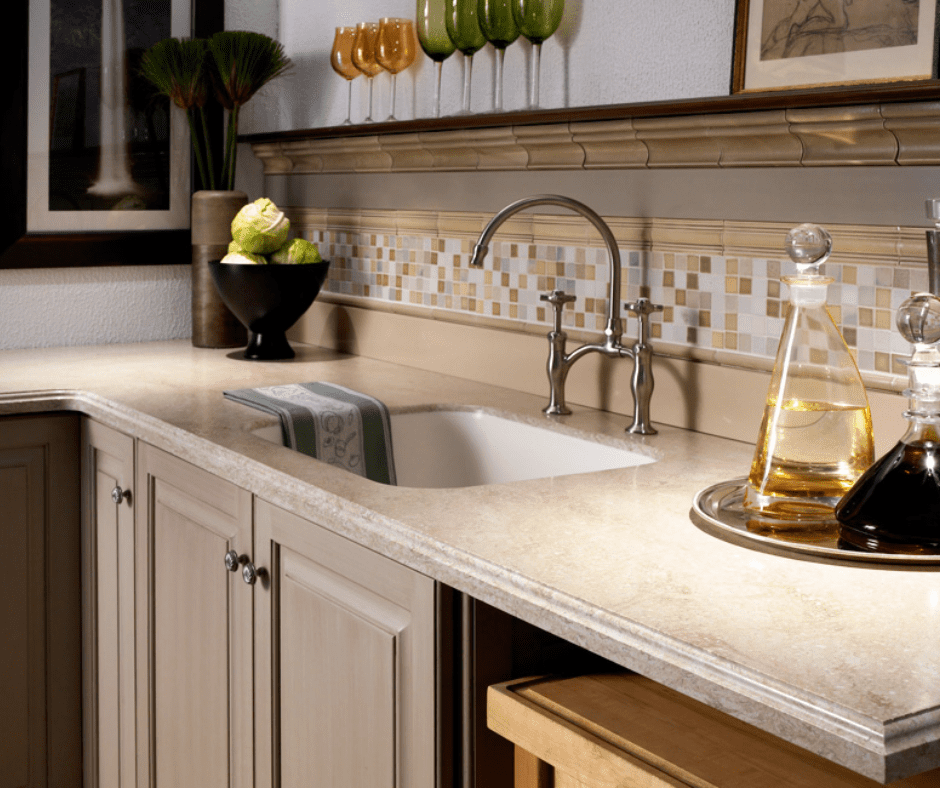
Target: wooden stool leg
{"x":530,"y":772}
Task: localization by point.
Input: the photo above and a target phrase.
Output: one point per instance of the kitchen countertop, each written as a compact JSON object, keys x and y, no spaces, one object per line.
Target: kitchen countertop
{"x":841,"y":659}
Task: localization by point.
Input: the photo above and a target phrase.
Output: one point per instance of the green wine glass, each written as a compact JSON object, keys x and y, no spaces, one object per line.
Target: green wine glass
{"x":432,"y":35}
{"x":499,"y":28}
{"x":464,"y":30}
{"x":537,"y":21}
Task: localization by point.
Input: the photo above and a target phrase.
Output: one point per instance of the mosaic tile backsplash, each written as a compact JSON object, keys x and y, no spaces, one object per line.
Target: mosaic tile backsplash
{"x":733,"y":304}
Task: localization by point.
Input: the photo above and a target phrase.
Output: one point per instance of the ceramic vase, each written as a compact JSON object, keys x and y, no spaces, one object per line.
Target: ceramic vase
{"x":214,"y":325}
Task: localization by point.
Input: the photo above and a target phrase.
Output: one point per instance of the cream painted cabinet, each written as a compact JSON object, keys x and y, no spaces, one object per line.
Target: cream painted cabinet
{"x":110,"y":738}
{"x":40,"y":618}
{"x":194,"y":627}
{"x":344,"y":662}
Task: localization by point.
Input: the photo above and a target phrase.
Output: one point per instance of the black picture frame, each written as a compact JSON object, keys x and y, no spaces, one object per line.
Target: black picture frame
{"x":21,"y":249}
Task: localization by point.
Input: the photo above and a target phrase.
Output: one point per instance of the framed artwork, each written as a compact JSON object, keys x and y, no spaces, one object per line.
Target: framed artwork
{"x":96,"y":168}
{"x":785,"y":44}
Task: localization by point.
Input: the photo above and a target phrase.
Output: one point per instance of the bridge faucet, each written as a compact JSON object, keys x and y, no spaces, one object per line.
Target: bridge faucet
{"x":560,"y":362}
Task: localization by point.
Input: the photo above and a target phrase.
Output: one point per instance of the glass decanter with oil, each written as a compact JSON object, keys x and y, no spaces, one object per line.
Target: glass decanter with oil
{"x":895,"y":506}
{"x":815,"y":439}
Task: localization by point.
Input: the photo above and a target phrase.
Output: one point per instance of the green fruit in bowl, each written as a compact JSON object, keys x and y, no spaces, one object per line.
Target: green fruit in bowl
{"x":297,"y":252}
{"x":260,"y":227}
{"x":244,"y":258}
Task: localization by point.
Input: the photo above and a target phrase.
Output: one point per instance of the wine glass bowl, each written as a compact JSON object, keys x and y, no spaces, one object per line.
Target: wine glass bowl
{"x":537,"y":21}
{"x":341,"y":61}
{"x":432,"y":35}
{"x":499,"y":27}
{"x":464,"y":30}
{"x":363,"y":55}
{"x":395,"y":50}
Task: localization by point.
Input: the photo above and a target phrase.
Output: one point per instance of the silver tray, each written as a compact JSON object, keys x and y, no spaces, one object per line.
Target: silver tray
{"x":718,"y":510}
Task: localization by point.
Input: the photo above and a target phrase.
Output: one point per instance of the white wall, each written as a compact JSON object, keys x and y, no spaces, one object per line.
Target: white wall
{"x":605,"y":52}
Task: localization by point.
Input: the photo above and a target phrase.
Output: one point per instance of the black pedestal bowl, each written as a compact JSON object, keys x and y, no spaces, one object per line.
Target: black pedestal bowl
{"x":268,"y":300}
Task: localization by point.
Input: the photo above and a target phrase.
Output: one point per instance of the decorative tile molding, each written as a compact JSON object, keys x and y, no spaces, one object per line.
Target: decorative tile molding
{"x":719,"y":281}
{"x":871,"y":134}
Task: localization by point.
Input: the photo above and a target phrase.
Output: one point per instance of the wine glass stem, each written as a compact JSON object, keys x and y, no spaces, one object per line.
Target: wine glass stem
{"x":498,"y":95}
{"x":348,"y":121}
{"x":437,"y":89}
{"x":391,"y":114}
{"x":534,"y":94}
{"x":467,"y":71}
{"x":369,"y":117}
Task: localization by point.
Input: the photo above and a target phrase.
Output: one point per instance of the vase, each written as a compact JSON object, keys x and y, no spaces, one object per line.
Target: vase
{"x":214,"y":325}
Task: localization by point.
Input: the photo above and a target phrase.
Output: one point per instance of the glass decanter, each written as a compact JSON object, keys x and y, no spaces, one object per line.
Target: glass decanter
{"x":815,"y":438}
{"x":895,"y":506}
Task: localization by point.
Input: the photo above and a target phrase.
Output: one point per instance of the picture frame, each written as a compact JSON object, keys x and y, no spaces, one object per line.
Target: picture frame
{"x":804,"y":44}
{"x":150,"y":237}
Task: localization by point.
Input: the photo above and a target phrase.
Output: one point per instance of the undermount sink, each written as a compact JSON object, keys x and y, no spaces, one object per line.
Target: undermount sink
{"x":464,"y":448}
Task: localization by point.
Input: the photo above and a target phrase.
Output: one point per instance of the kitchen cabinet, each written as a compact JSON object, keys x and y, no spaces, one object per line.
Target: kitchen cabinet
{"x":194,"y":627}
{"x":311,"y":662}
{"x":109,"y":719}
{"x":40,"y":618}
{"x":345,"y":662}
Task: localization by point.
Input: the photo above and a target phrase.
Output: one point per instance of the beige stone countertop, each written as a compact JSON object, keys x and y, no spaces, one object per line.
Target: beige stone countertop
{"x":841,"y":659}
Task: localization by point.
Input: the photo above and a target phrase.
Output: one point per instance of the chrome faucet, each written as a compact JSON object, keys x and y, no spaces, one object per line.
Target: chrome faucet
{"x":560,"y":362}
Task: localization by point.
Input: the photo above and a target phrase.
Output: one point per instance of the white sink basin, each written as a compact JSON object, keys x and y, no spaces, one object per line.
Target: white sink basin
{"x":463,"y":448}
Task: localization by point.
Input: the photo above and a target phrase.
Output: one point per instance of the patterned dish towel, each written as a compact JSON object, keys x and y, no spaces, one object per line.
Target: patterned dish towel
{"x":329,"y":422}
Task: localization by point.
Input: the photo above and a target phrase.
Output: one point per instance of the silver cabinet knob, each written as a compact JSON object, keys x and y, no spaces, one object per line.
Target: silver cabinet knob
{"x":232,"y":561}
{"x":118,"y":494}
{"x":251,"y":573}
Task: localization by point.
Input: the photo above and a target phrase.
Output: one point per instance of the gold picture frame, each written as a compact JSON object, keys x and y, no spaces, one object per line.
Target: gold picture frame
{"x":799,"y":44}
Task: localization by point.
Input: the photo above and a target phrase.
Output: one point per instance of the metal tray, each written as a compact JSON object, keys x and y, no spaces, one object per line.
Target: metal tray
{"x":718,"y":510}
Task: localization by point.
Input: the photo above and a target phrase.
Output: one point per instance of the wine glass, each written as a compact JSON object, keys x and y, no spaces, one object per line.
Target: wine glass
{"x":363,"y":55}
{"x":537,"y":20}
{"x":341,"y":60}
{"x":464,"y":31}
{"x":432,"y":35}
{"x":396,"y":49}
{"x":499,"y":28}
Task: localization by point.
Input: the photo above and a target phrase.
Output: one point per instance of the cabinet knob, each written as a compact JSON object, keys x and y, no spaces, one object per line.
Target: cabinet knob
{"x":232,"y":561}
{"x":251,"y":573}
{"x":118,"y":494}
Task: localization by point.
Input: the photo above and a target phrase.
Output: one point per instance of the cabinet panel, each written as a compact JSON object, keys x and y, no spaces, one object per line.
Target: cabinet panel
{"x":40,"y":651}
{"x":345,"y":667}
{"x":108,"y":592}
{"x":195,"y":645}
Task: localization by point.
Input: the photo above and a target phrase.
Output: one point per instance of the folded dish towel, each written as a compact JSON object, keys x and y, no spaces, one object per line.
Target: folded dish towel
{"x":330,"y":422}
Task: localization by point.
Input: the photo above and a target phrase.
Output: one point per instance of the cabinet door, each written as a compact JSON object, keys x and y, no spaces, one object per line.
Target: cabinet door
{"x":40,"y":617}
{"x":108,"y":591}
{"x":195,"y":628}
{"x":345,"y":668}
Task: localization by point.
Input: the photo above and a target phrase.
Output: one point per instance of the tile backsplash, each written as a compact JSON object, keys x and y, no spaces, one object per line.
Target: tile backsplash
{"x":731,"y":305}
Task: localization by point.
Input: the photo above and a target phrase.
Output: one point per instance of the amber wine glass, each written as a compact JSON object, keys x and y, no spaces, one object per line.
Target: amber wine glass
{"x":499,"y":28}
{"x":341,"y":60}
{"x":464,"y":30}
{"x":537,"y":20}
{"x":396,"y":49}
{"x":363,"y":56}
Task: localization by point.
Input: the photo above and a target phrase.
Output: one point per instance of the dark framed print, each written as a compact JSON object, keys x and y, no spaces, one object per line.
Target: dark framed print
{"x":784,"y":44}
{"x":96,"y":167}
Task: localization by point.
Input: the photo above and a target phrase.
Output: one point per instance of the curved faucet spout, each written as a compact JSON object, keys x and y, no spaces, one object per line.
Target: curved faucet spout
{"x":614,"y":329}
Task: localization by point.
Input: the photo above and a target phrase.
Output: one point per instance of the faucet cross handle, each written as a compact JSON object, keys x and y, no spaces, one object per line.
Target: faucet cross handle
{"x":643,"y":308}
{"x":558,"y":299}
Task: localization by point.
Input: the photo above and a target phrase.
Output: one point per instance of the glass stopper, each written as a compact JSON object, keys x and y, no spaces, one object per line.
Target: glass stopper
{"x":918,"y":319}
{"x":809,"y":246}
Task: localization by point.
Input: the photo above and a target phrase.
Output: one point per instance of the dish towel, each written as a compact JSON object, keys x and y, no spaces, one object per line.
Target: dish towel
{"x":332,"y":423}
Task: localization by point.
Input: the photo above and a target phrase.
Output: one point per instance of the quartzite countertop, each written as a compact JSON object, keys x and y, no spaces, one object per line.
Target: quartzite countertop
{"x":843,"y":660}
